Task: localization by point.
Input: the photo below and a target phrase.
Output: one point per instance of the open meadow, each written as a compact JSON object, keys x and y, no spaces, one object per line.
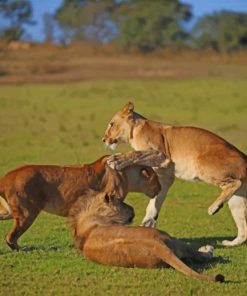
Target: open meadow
{"x":64,"y":124}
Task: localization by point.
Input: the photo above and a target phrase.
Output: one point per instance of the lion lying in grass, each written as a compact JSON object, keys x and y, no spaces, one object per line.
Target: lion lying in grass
{"x":100,"y":234}
{"x":26,"y":191}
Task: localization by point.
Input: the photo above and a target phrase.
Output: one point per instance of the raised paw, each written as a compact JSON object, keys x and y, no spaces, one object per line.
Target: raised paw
{"x":214,"y":208}
{"x":149,"y":223}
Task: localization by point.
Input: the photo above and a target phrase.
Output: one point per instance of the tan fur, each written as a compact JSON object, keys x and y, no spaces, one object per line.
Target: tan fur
{"x":100,"y":235}
{"x":32,"y":188}
{"x":192,"y":154}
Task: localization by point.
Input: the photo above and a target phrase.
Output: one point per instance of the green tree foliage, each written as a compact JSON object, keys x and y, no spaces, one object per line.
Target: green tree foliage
{"x":12,"y":33}
{"x":17,"y":12}
{"x":148,"y":25}
{"x":224,"y":32}
{"x":86,"y":19}
{"x":141,"y":24}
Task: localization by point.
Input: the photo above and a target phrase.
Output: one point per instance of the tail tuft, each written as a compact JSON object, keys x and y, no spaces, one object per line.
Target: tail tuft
{"x":219,"y":278}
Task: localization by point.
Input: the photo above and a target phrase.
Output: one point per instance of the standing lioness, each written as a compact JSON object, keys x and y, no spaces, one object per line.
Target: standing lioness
{"x":192,"y":154}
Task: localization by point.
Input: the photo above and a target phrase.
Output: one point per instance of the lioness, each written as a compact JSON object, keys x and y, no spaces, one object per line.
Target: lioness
{"x":99,"y":235}
{"x":28,"y":190}
{"x":192,"y":154}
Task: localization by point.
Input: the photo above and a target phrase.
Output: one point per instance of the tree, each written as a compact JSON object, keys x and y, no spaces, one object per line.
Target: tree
{"x":86,"y":19}
{"x":142,"y":24}
{"x":149,"y":25}
{"x":18,"y":12}
{"x":224,"y":31}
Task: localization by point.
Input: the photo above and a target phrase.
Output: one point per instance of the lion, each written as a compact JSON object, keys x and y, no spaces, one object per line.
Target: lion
{"x":100,"y":233}
{"x":27,"y":190}
{"x":191,"y":154}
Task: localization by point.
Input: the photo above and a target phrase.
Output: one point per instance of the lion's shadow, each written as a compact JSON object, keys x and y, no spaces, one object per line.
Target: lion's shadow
{"x":198,"y":242}
{"x":203,"y":241}
{"x":36,"y":248}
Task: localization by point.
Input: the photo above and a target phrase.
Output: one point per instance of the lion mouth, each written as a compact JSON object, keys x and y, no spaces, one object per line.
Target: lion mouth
{"x":111,"y":143}
{"x":113,"y":146}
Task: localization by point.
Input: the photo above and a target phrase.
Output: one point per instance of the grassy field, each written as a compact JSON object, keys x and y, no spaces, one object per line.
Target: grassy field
{"x":85,"y":62}
{"x":63,"y":124}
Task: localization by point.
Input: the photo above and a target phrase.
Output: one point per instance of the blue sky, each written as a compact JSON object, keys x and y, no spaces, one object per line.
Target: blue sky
{"x":200,"y":7}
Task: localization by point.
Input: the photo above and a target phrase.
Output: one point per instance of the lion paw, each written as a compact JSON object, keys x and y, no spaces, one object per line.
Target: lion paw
{"x":207,"y":252}
{"x":149,"y":223}
{"x":236,"y":242}
{"x":206,"y":249}
{"x":227,"y":243}
{"x":213,"y":209}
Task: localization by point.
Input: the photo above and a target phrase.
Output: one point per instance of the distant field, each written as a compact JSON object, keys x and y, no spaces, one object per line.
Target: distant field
{"x":63,"y":124}
{"x":85,"y":62}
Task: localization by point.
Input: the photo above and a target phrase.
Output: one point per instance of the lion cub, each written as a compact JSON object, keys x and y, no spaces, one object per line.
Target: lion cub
{"x":101,"y":236}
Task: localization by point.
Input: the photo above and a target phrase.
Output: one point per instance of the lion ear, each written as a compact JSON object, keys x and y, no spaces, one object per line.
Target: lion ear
{"x":110,"y":196}
{"x":107,"y":198}
{"x":128,"y":108}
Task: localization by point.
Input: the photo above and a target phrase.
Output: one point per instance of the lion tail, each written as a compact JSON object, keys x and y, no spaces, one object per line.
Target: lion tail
{"x":169,"y":257}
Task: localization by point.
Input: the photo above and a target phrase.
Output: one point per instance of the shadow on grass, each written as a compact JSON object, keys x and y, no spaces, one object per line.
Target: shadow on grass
{"x":41,"y":249}
{"x":195,"y":265}
{"x":47,"y":248}
{"x":202,"y":241}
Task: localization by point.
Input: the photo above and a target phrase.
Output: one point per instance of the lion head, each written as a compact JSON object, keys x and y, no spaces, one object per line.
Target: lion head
{"x":100,"y":208}
{"x":120,"y":127}
{"x":143,"y":179}
{"x":112,"y":209}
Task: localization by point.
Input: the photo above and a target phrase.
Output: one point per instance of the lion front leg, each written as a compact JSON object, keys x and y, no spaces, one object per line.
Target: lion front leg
{"x":152,"y":212}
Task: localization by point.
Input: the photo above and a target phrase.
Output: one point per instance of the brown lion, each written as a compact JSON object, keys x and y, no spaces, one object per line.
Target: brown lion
{"x":27,"y":190}
{"x":102,"y":237}
{"x":192,"y":154}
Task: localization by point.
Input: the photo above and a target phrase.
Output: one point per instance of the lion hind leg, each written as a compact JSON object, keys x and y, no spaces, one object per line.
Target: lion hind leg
{"x":24,"y":217}
{"x":238,"y":207}
{"x":21,"y":224}
{"x":228,"y":191}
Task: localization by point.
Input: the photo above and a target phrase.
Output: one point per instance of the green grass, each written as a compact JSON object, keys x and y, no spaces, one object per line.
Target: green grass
{"x":64,"y":124}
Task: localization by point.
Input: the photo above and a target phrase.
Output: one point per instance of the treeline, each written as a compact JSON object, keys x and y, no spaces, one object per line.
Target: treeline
{"x":133,"y":24}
